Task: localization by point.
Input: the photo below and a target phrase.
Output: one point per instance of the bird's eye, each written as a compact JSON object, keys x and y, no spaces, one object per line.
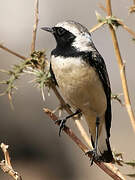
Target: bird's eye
{"x":61,"y":31}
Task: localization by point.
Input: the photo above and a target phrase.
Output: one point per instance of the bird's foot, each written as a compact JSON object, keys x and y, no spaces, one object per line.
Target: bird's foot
{"x":94,"y":155}
{"x":61,"y":123}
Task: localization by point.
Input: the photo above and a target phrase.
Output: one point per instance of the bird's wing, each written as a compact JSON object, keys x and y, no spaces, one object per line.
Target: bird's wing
{"x":52,"y":75}
{"x":98,"y":63}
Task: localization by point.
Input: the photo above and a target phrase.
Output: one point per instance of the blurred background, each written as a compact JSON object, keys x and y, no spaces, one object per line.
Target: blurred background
{"x":36,"y":150}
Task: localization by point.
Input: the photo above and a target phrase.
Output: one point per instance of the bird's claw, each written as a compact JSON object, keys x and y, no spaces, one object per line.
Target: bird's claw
{"x":94,"y":155}
{"x":61,"y":124}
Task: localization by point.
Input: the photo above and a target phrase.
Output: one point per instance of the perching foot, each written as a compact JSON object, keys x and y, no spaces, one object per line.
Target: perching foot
{"x":94,"y":155}
{"x":61,"y":124}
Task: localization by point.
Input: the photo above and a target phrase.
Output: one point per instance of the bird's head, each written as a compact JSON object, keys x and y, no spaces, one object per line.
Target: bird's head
{"x":71,"y":34}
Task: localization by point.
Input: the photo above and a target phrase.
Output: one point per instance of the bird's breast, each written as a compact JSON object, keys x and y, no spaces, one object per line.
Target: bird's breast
{"x":79,"y":84}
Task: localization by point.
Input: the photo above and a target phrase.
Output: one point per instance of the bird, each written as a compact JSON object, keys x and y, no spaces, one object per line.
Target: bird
{"x":80,"y":73}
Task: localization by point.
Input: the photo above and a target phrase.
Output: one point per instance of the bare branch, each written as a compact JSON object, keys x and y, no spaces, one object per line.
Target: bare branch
{"x":12,"y":52}
{"x":132,"y":9}
{"x":120,"y":22}
{"x":127,"y":28}
{"x":108,"y":168}
{"x":77,"y":122}
{"x":121,"y":67}
{"x":35,"y":27}
{"x":97,"y":26}
{"x":6,"y":164}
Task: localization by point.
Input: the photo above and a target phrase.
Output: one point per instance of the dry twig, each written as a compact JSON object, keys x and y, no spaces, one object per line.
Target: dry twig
{"x":35,"y":27}
{"x":12,"y":52}
{"x":6,"y":164}
{"x":97,"y":27}
{"x":108,"y":168}
{"x":127,"y":28}
{"x":130,"y":31}
{"x":76,"y":120}
{"x":132,"y":8}
{"x":121,"y":67}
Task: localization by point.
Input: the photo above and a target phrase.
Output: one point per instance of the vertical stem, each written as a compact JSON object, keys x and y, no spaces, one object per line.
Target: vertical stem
{"x":35,"y":27}
{"x":121,"y":67}
{"x":108,"y":7}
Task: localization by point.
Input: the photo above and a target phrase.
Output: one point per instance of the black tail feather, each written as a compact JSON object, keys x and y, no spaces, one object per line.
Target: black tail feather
{"x":106,"y":155}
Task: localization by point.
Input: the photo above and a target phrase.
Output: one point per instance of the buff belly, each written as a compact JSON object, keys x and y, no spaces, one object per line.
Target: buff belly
{"x":81,"y":88}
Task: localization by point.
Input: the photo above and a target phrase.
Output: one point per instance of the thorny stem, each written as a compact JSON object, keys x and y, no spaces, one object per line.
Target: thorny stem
{"x":121,"y":67}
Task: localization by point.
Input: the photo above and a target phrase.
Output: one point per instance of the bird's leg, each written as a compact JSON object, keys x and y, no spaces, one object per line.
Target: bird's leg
{"x":94,"y":154}
{"x":63,"y":121}
{"x":97,"y":131}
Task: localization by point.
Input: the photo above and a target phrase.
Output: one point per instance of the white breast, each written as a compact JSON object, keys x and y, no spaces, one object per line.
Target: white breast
{"x":79,"y":84}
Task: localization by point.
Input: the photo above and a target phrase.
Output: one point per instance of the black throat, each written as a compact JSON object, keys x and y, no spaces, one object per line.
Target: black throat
{"x":70,"y":51}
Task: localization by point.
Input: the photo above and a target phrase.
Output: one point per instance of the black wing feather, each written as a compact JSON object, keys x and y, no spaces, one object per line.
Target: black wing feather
{"x":52,"y":75}
{"x":98,"y":63}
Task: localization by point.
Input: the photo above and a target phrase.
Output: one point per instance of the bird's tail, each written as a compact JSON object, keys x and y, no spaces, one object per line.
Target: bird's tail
{"x":104,"y":149}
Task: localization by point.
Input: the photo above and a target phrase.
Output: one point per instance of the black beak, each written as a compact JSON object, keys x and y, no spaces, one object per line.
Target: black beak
{"x":47,"y":29}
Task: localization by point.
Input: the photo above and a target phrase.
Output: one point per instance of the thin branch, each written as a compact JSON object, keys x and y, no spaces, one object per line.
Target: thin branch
{"x":130,"y":31}
{"x":120,"y":22}
{"x":83,"y":132}
{"x":97,"y":26}
{"x":108,"y":168}
{"x":121,"y":67}
{"x":127,"y":28}
{"x":6,"y":164}
{"x":132,"y":8}
{"x":77,"y":122}
{"x":108,"y":7}
{"x":12,"y":52}
{"x":35,"y":27}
